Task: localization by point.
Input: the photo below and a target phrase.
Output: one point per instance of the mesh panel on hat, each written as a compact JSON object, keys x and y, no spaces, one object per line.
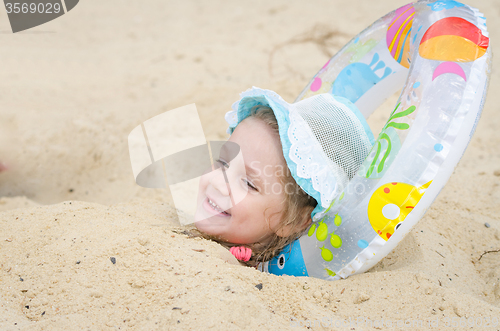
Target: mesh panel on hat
{"x":340,"y":133}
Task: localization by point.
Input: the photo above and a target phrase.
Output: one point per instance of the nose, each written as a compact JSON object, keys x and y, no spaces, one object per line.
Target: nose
{"x":219,"y":181}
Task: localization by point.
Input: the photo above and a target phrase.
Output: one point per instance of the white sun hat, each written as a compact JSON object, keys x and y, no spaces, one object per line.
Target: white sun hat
{"x":325,"y":139}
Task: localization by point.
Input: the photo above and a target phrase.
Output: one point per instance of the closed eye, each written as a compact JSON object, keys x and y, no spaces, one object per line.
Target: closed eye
{"x":223,"y":163}
{"x":250,"y":185}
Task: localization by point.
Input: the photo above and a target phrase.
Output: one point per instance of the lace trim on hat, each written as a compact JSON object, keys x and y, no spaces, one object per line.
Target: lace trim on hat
{"x":312,"y":162}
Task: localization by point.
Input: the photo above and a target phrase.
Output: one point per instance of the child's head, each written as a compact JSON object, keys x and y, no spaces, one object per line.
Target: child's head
{"x":297,"y":158}
{"x":274,"y":210}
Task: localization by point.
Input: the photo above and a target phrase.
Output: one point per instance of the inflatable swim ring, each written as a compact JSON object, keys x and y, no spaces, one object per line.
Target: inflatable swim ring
{"x":437,"y":52}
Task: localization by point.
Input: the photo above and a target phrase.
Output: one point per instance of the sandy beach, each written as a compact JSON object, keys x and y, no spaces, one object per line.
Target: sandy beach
{"x":83,"y":247}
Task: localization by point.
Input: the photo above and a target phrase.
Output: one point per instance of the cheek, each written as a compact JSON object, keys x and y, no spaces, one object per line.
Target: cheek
{"x":250,"y":208}
{"x":260,"y":208}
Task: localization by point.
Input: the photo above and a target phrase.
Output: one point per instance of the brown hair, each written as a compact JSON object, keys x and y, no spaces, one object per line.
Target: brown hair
{"x":297,"y":205}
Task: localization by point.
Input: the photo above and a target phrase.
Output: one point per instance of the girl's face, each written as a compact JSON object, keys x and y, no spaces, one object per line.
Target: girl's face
{"x":252,"y":183}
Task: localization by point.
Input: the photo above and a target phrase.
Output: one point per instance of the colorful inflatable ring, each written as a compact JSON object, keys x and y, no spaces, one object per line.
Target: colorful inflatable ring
{"x":441,"y":50}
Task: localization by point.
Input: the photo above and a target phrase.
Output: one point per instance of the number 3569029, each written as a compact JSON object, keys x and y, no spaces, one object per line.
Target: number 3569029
{"x":23,"y":7}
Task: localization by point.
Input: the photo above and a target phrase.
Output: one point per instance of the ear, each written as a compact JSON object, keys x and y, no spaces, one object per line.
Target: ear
{"x":304,"y":223}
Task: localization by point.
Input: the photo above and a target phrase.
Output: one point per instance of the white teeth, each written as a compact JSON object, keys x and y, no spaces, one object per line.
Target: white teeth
{"x":215,"y":206}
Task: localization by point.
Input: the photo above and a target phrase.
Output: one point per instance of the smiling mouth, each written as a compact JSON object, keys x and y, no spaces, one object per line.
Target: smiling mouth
{"x":217,"y":208}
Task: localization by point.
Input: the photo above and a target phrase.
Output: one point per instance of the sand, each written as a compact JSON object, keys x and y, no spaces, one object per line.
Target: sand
{"x":83,"y":247}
